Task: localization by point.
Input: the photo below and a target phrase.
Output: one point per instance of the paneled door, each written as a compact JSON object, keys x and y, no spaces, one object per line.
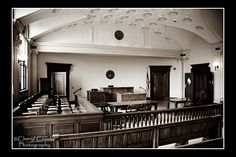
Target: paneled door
{"x":159,"y":82}
{"x":58,"y":81}
{"x":189,"y":86}
{"x":58,"y":78}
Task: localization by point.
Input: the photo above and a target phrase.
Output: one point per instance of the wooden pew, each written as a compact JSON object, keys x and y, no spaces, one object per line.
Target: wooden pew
{"x":87,"y":119}
{"x":210,"y":127}
{"x":209,"y":143}
{"x":23,"y":105}
{"x":143,"y":137}
{"x":127,"y":138}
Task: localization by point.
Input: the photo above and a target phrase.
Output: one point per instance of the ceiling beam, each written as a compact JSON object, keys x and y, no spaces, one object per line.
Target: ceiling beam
{"x":105,"y":50}
{"x":23,"y":12}
{"x":48,"y":25}
{"x":46,"y":13}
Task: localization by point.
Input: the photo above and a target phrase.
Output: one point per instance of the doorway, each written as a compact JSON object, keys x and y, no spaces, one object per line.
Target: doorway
{"x":58,"y":82}
{"x":160,"y":82}
{"x":58,"y":76}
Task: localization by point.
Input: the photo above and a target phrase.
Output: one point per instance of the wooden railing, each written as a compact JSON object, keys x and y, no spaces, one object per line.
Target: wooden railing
{"x":36,"y":126}
{"x":148,"y":118}
{"x":22,"y":106}
{"x":149,"y":136}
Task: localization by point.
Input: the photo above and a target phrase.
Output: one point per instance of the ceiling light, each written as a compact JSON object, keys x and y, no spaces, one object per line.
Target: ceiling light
{"x":199,"y":28}
{"x":187,"y":19}
{"x":158,"y":33}
{"x":90,"y":17}
{"x":54,"y":11}
{"x":131,"y":11}
{"x":147,"y":14}
{"x":172,"y":13}
{"x":118,"y":22}
{"x":167,"y":38}
{"x":107,"y":16}
{"x":112,"y":10}
{"x":132,"y":24}
{"x":162,"y":19}
{"x":139,"y":20}
{"x":145,"y":28}
{"x":124,"y":17}
{"x":94,"y":10}
{"x":152,"y":24}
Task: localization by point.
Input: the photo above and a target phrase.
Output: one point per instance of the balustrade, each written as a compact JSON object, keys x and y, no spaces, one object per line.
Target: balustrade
{"x":154,"y":117}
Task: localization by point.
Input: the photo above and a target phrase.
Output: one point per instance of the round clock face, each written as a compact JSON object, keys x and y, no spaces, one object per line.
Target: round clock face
{"x":119,"y":35}
{"x":110,"y":74}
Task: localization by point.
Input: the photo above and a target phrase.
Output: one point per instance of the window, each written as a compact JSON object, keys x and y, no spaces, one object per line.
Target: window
{"x":23,"y":75}
{"x":23,"y":69}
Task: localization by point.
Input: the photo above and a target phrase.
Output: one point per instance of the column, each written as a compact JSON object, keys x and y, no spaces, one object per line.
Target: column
{"x":34,"y":76}
{"x":183,"y":57}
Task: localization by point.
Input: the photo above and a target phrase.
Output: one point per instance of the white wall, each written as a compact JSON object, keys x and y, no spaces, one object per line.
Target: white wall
{"x":201,"y":52}
{"x":88,"y":71}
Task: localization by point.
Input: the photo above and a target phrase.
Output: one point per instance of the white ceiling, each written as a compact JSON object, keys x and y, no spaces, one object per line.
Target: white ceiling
{"x":206,"y":23}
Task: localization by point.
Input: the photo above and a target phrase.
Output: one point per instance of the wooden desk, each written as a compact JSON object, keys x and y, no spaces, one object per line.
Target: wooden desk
{"x":130,"y":96}
{"x":117,"y":105}
{"x":111,"y":92}
{"x":177,"y":100}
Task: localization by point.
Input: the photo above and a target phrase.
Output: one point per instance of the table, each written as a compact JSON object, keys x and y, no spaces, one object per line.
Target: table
{"x":177,"y":100}
{"x":116,"y":105}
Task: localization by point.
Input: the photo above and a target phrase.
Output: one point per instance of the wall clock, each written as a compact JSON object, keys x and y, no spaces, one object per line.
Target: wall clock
{"x":119,"y":35}
{"x":110,"y":74}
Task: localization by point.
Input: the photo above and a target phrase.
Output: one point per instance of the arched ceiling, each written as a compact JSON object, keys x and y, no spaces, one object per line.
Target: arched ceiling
{"x":163,"y":22}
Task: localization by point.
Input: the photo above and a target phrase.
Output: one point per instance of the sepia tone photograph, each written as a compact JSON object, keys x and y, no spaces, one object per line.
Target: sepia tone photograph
{"x":117,"y":78}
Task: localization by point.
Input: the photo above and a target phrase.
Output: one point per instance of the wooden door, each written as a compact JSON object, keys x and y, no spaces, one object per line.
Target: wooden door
{"x":203,"y":88}
{"x":159,"y":82}
{"x":189,"y":86}
{"x":58,"y":81}
{"x":59,"y":67}
{"x":202,"y":84}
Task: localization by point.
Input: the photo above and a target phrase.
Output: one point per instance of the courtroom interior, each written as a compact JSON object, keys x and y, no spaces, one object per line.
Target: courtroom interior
{"x":117,"y":78}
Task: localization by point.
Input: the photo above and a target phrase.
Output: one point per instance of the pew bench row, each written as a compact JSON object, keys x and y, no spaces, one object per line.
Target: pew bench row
{"x":145,"y":137}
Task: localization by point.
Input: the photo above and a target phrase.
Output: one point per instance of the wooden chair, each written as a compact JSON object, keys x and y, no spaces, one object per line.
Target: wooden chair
{"x":133,"y":108}
{"x":145,"y":107}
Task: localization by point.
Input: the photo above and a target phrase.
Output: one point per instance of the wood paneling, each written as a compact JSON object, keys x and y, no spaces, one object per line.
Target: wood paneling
{"x":131,"y":96}
{"x":47,"y":125}
{"x":35,"y":130}
{"x":89,"y":126}
{"x":151,"y":136}
{"x":181,"y":131}
{"x":111,"y":92}
{"x":98,"y":98}
{"x":63,"y":128}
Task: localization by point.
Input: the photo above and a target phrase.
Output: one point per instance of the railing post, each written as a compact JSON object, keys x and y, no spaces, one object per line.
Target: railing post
{"x":154,"y":137}
{"x":56,"y":140}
